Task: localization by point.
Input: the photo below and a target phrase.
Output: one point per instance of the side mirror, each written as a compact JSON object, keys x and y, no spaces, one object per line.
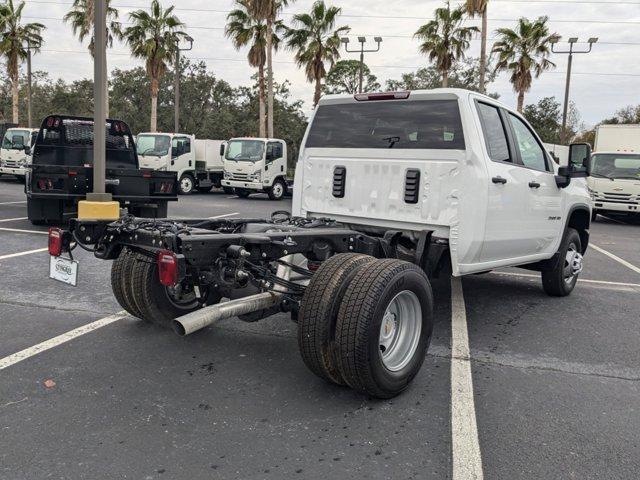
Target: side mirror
{"x":222,"y":149}
{"x":174,"y":151}
{"x":579,"y":155}
{"x":27,"y":150}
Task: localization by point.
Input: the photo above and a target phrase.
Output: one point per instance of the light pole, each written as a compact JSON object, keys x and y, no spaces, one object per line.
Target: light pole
{"x":29,"y":48}
{"x":572,"y":41}
{"x":362,"y":41}
{"x":177,"y":80}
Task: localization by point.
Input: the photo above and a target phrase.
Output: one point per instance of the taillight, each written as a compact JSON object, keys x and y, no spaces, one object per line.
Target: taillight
{"x":364,"y":97}
{"x":166,"y":187}
{"x":44,"y":184}
{"x":167,"y":268}
{"x":55,"y":241}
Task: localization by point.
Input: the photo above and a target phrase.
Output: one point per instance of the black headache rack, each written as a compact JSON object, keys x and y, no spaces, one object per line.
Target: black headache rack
{"x":62,"y":170}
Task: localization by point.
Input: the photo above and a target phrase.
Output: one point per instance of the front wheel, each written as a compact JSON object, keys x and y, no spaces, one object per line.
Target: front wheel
{"x":186,"y":184}
{"x":242,"y":193}
{"x":561,"y":279}
{"x":277,"y":190}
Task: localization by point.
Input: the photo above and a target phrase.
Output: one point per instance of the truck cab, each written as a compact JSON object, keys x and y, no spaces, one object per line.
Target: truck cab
{"x":614,"y":170}
{"x":196,"y":162}
{"x":254,"y":165}
{"x":15,"y":154}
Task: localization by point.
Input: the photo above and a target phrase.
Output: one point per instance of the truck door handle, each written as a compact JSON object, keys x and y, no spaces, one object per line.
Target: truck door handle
{"x":534,"y":185}
{"x":499,"y":180}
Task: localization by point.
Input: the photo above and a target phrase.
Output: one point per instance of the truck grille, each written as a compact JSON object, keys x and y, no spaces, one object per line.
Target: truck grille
{"x":619,"y":198}
{"x":11,"y":163}
{"x":240,"y":176}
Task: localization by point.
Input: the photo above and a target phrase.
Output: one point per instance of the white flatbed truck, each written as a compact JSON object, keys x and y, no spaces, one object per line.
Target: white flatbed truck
{"x":394,"y":189}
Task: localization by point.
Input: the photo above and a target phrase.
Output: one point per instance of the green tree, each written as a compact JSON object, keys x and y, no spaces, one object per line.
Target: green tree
{"x":14,"y":39}
{"x":445,"y":39}
{"x":316,"y":41}
{"x":628,"y":114}
{"x":81,"y":19}
{"x":344,"y":78}
{"x":524,"y":52}
{"x":268,"y":10}
{"x":153,"y":37}
{"x":546,"y":119}
{"x":463,"y":74}
{"x":473,"y":8}
{"x":245,"y":29}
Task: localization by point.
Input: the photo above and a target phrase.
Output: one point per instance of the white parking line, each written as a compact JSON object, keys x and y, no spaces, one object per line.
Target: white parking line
{"x":616,"y":258}
{"x":223,"y":216}
{"x":580,"y":280}
{"x":12,"y":203}
{"x":20,"y":254}
{"x":59,"y":340}
{"x":20,"y":230}
{"x":466,"y":457}
{"x":13,"y":219}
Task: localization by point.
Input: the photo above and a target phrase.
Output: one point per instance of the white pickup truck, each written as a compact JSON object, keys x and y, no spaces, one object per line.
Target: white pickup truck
{"x":614,"y":171}
{"x":254,"y":165}
{"x":15,"y":152}
{"x":197,"y":162}
{"x":394,"y":189}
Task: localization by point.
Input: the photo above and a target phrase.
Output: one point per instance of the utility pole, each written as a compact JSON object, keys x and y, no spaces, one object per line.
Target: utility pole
{"x":176,"y":87}
{"x":362,"y":41}
{"x":572,"y":41}
{"x":29,"y":116}
{"x":99,"y":204}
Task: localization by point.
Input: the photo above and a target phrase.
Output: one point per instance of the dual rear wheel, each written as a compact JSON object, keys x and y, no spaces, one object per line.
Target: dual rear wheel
{"x":366,"y":323}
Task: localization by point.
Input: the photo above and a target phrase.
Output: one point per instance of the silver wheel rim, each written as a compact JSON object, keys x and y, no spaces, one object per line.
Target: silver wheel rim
{"x":400,"y":330}
{"x":572,"y":263}
{"x":186,"y":184}
{"x":277,"y":190}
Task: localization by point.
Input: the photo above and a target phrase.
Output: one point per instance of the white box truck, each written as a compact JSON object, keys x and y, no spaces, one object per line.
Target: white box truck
{"x":15,"y":153}
{"x":614,"y":170}
{"x":198,"y":163}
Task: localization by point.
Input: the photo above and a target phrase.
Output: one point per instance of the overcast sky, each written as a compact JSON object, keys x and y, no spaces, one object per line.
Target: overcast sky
{"x":602,"y":81}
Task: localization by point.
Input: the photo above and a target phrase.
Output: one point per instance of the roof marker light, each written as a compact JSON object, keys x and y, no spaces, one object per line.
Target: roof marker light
{"x":369,"y":97}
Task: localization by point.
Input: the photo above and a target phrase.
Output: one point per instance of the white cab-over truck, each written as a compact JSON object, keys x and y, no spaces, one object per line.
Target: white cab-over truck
{"x":197,"y":162}
{"x":254,"y":165}
{"x":394,"y":189}
{"x":15,"y":152}
{"x":614,"y":170}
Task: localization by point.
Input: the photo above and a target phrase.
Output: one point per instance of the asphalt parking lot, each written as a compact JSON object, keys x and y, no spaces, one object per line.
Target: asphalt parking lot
{"x":555,"y":382}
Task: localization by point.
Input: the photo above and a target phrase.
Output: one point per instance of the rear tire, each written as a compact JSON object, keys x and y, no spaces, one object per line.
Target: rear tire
{"x":384,"y":327}
{"x":561,"y":279}
{"x":121,"y":281}
{"x":318,"y":312}
{"x":186,"y":185}
{"x":156,"y":303}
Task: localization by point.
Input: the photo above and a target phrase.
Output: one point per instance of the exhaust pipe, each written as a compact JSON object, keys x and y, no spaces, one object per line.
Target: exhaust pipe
{"x":198,"y":319}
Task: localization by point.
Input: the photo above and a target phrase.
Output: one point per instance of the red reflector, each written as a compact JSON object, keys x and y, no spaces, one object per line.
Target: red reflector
{"x":167,"y":268}
{"x":364,"y":97}
{"x":146,"y":174}
{"x":55,"y":241}
{"x":72,"y":173}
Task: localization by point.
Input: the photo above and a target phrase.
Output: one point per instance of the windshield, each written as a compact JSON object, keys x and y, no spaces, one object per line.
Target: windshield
{"x":156,"y":145}
{"x":612,"y":165}
{"x":15,"y":139}
{"x":421,"y":124}
{"x":245,"y":150}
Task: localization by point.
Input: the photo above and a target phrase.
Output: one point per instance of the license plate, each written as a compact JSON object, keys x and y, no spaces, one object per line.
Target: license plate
{"x":63,"y":270}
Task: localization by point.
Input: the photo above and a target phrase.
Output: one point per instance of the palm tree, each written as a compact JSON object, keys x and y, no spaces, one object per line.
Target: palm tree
{"x":523,"y":51}
{"x":15,"y":37}
{"x":81,"y":19}
{"x":268,"y":10}
{"x":153,"y":37}
{"x":316,"y":42}
{"x":445,"y":39}
{"x":473,"y":8}
{"x":245,"y":29}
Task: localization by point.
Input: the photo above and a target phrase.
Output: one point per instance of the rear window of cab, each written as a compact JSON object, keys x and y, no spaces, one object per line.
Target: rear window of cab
{"x":419,"y":124}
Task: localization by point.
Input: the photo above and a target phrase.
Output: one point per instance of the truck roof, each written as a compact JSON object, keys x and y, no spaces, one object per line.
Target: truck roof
{"x":435,"y":93}
{"x":256,"y":138}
